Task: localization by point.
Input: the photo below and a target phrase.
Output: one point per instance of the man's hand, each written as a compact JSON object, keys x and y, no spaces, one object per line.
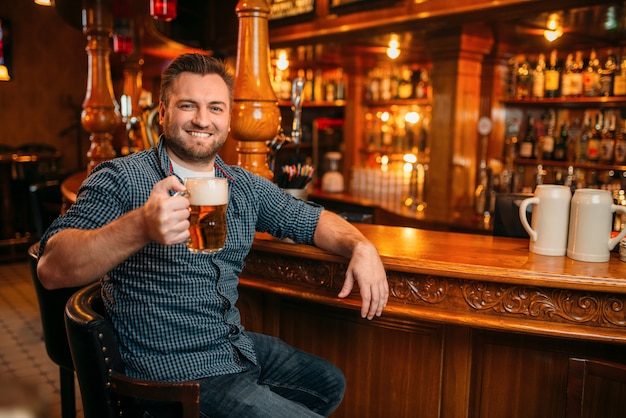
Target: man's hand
{"x":366,"y":268}
{"x":166,"y":218}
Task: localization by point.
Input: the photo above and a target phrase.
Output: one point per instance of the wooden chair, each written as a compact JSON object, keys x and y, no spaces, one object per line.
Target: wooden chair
{"x":51,"y":307}
{"x":595,"y":388}
{"x":105,"y":390}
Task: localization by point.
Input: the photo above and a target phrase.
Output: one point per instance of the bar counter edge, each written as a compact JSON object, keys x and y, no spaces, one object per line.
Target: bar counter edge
{"x":463,"y":279}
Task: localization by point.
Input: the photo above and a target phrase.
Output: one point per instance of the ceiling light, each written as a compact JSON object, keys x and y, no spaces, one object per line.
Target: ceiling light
{"x":554,"y":27}
{"x":393,"y":50}
{"x":282,"y":63}
{"x":45,"y":2}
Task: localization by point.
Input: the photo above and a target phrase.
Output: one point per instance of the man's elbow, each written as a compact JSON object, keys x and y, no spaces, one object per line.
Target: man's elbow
{"x":49,"y":277}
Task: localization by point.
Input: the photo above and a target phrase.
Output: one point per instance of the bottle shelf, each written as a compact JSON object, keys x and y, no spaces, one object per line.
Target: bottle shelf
{"x":397,"y":102}
{"x":565,"y":164}
{"x":334,"y":103}
{"x":571,"y":102}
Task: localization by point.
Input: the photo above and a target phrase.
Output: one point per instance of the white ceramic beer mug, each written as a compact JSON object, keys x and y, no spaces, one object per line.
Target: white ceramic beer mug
{"x":591,"y":221}
{"x":550,"y":220}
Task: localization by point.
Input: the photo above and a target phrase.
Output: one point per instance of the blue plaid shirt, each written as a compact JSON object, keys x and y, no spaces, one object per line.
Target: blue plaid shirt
{"x":174,"y":311}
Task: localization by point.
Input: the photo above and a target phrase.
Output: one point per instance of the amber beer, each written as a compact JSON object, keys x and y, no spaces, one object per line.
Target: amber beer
{"x":208,"y":199}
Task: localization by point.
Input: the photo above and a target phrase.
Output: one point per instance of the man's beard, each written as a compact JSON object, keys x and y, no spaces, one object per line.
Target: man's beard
{"x":195,"y":155}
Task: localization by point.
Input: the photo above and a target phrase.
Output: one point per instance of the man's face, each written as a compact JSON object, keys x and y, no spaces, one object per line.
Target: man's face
{"x":196,"y":119}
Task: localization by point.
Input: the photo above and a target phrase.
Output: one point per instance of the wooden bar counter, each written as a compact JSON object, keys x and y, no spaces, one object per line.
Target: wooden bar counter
{"x":476,"y":326}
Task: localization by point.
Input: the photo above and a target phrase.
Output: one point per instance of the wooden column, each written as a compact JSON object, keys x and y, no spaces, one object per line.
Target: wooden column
{"x":100,"y":115}
{"x":132,"y":88}
{"x":457,"y":56}
{"x":255,"y":116}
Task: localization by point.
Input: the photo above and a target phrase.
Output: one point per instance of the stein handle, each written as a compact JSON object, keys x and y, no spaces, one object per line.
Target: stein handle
{"x":184,"y":193}
{"x":524,"y":220}
{"x":615,"y":240}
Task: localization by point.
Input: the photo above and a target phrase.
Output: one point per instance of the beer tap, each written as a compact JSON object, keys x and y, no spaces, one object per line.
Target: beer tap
{"x":281,"y":139}
{"x":296,"y":106}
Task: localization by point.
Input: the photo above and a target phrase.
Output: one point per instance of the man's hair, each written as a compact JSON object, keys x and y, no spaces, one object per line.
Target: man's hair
{"x":198,"y":64}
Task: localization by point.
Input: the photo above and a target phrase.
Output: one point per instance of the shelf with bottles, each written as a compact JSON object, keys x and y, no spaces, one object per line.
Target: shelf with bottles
{"x":320,"y":104}
{"x":566,"y":164}
{"x":560,"y":145}
{"x":604,"y":102}
{"x":570,"y":78}
{"x":318,"y":66}
{"x":388,"y":84}
{"x":396,"y":129}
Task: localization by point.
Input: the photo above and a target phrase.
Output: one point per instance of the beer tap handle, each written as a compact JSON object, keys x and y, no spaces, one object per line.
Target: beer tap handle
{"x":296,"y":106}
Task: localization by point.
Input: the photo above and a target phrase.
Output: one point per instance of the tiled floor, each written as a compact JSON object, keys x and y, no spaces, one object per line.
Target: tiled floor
{"x":26,"y":372}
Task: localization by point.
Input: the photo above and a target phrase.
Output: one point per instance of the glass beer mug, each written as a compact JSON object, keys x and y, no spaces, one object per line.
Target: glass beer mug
{"x":208,"y":200}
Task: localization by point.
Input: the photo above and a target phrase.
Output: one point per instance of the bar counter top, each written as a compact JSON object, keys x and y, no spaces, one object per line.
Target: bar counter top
{"x":471,"y":279}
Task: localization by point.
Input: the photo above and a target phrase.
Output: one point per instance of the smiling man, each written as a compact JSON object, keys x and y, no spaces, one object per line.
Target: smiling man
{"x":174,"y":310}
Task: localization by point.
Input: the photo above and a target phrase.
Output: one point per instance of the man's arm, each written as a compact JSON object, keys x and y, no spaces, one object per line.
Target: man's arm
{"x":74,"y":257}
{"x":336,"y":235}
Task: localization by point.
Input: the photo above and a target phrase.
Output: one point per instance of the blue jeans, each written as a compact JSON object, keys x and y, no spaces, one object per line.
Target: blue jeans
{"x":286,"y":383}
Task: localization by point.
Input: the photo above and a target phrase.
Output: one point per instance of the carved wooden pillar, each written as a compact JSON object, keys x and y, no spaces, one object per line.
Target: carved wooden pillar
{"x":256,"y":116}
{"x":100,"y":115}
{"x":457,"y":57}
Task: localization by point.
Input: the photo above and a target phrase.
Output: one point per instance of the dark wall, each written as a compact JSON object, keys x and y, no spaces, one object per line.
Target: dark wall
{"x":42,"y":102}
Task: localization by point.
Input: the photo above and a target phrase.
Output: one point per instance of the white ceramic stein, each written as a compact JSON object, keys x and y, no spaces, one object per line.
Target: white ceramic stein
{"x":550,"y":220}
{"x":591,"y":221}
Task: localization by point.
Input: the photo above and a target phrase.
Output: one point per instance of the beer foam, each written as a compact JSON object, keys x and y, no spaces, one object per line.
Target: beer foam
{"x":211,"y":191}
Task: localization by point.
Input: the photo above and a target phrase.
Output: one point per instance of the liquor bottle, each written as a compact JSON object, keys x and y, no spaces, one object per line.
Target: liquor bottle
{"x":318,"y":86}
{"x":405,"y":90}
{"x":524,"y":79}
{"x":566,"y":76}
{"x":373,"y":89}
{"x":560,"y":144}
{"x":547,"y":141}
{"x":593,"y":145}
{"x":341,"y":85}
{"x":422,"y":89}
{"x":330,"y":88}
{"x":576,"y":77}
{"x":573,"y":141}
{"x":591,"y":76}
{"x":620,"y":144}
{"x":619,"y":81}
{"x":394,"y":84}
{"x":511,"y":82}
{"x":607,"y":145}
{"x":527,"y":145}
{"x":553,"y":76}
{"x":583,"y":150}
{"x":540,"y":133}
{"x":539,"y":79}
{"x":385,"y":84}
{"x":307,"y":90}
{"x":607,"y":70}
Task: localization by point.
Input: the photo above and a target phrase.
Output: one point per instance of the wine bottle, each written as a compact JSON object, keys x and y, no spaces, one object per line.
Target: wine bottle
{"x":607,"y":145}
{"x":527,"y":145}
{"x":619,"y":80}
{"x":566,"y":76}
{"x":606,"y":71}
{"x":576,"y":77}
{"x":560,"y":143}
{"x":620,"y":144}
{"x":548,"y":141}
{"x":553,"y":75}
{"x":524,"y":79}
{"x":593,"y":145}
{"x":539,"y":79}
{"x":591,"y":76}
